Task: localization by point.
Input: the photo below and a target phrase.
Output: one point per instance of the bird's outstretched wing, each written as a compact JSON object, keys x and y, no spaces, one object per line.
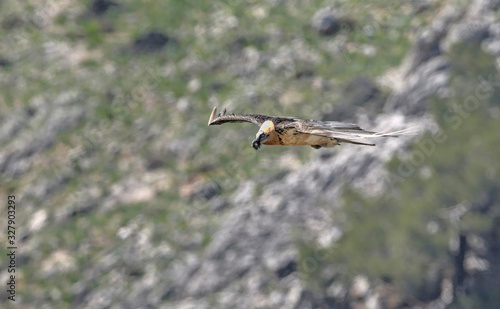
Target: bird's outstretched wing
{"x":342,"y":131}
{"x":223,"y":118}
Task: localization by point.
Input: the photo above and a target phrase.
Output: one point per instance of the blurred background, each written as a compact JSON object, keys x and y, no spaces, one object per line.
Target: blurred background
{"x":126,"y":199}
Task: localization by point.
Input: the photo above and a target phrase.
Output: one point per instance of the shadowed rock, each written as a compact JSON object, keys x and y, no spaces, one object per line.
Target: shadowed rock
{"x":99,"y":7}
{"x":150,"y":42}
{"x":325,"y":22}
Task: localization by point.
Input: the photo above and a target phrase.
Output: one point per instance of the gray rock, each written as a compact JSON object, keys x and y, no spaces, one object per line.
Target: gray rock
{"x":361,"y":93}
{"x":54,"y":120}
{"x":420,"y":84}
{"x":468,"y":32}
{"x":325,"y":22}
{"x":428,"y":40}
{"x":419,"y":6}
{"x":205,"y":191}
{"x":150,"y":42}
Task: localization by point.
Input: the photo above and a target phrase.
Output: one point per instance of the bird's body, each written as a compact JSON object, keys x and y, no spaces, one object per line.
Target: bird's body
{"x":293,"y":137}
{"x":289,"y":131}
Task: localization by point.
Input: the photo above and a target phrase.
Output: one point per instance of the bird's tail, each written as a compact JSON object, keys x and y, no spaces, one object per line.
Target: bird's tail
{"x":397,"y":133}
{"x":356,"y":136}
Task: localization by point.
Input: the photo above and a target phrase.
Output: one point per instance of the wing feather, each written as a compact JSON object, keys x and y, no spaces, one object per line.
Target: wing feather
{"x":223,"y":118}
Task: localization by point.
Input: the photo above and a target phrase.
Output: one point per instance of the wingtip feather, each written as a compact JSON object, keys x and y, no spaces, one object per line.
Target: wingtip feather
{"x":212,"y":115}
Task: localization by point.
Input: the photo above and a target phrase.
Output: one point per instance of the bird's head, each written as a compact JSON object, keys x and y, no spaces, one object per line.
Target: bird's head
{"x":266,"y":129}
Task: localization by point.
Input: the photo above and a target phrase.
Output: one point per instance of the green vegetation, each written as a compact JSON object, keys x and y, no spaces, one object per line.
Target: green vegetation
{"x":142,"y":108}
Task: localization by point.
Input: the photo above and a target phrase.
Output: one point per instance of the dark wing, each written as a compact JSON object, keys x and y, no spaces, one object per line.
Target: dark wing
{"x":223,"y":118}
{"x":341,"y":131}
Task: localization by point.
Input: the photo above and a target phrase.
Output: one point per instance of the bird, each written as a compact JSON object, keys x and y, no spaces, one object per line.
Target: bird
{"x":291,"y":131}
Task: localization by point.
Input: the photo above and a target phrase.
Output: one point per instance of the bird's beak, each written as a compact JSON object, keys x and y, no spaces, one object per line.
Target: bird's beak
{"x":258,"y":139}
{"x":256,"y":144}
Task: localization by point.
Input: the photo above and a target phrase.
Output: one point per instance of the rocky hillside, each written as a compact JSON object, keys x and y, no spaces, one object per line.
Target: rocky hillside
{"x":126,"y":199}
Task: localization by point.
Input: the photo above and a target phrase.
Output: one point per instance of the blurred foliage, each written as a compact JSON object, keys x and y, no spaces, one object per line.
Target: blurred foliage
{"x":77,"y":50}
{"x":448,"y":185}
{"x":137,"y":107}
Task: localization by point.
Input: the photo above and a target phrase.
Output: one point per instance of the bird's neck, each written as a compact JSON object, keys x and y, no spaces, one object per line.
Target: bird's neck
{"x":272,"y":139}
